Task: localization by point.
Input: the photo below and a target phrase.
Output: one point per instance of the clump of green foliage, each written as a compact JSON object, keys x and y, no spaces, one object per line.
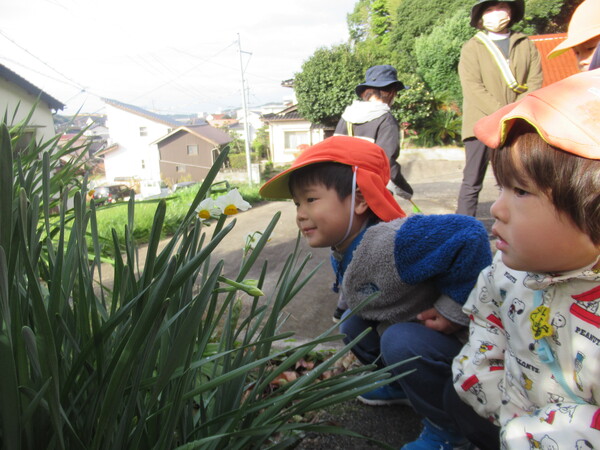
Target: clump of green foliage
{"x":153,"y":354}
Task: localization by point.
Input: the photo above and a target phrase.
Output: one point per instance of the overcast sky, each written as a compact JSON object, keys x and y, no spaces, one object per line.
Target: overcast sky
{"x":169,"y":56}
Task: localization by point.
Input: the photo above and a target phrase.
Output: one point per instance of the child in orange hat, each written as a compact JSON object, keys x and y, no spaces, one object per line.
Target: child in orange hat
{"x":420,"y":268}
{"x":583,"y":35}
{"x":531,"y":366}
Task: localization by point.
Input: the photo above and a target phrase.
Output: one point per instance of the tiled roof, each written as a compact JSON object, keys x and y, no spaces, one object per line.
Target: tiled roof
{"x":557,"y":68}
{"x":289,"y":113}
{"x":14,"y":78}
{"x":165,"y":120}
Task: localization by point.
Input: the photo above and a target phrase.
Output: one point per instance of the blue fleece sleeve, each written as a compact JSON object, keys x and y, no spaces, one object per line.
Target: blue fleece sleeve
{"x":449,"y":250}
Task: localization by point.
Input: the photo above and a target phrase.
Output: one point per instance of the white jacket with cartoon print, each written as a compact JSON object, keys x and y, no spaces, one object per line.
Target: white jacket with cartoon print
{"x":500,"y":374}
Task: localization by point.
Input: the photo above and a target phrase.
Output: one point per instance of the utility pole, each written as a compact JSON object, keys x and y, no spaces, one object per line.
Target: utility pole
{"x":245,"y":106}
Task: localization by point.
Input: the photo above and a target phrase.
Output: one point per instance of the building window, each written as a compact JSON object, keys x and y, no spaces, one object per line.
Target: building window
{"x":294,"y":139}
{"x":143,"y":131}
{"x":143,"y":164}
{"x":192,"y":149}
{"x":179,"y":169}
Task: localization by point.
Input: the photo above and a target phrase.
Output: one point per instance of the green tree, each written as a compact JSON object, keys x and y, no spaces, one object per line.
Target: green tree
{"x":238,"y":144}
{"x":358,"y":21}
{"x":325,"y":85}
{"x":417,"y":17}
{"x":260,"y":145}
{"x":414,"y":105}
{"x":437,"y":54}
{"x":547,"y":16}
{"x":371,"y":20}
{"x":381,"y":22}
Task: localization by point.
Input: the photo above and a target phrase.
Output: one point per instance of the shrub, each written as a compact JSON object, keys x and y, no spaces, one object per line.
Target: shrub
{"x":437,"y":54}
{"x":414,"y":105}
{"x":443,"y":127}
{"x":238,"y":160}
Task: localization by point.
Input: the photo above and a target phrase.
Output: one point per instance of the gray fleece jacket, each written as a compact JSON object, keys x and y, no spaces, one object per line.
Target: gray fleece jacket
{"x":414,"y":264}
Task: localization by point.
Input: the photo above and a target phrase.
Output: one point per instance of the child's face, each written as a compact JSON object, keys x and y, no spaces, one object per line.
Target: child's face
{"x":533,"y":236}
{"x":322,"y":217}
{"x":584,"y":53}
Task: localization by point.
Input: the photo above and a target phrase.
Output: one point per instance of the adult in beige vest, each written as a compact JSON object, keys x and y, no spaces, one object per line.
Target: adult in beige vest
{"x":497,"y":67}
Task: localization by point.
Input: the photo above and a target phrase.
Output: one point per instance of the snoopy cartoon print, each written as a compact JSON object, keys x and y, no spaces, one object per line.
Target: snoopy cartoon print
{"x":480,"y":353}
{"x":515,"y":309}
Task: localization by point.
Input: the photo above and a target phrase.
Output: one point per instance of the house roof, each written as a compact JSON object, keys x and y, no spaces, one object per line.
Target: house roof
{"x":14,"y":78}
{"x":165,"y":120}
{"x":557,"y":68}
{"x":206,"y":132}
{"x":288,"y":114}
{"x":291,"y":114}
{"x":108,"y":149}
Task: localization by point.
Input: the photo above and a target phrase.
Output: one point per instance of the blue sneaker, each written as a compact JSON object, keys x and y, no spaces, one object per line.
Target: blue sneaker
{"x":435,"y":438}
{"x":384,"y":395}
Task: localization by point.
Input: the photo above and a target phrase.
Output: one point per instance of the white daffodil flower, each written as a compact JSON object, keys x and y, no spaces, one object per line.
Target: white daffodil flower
{"x":232,"y":202}
{"x":207,"y":209}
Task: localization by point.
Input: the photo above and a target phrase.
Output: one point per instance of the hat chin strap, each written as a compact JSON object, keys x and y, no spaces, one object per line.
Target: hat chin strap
{"x":349,"y":229}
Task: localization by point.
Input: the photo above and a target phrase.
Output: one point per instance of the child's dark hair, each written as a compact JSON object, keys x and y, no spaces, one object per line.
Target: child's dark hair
{"x":385,"y":94}
{"x":571,"y":182}
{"x":330,"y":174}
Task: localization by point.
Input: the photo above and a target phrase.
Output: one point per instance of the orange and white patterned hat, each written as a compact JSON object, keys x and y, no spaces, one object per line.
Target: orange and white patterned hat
{"x":566,"y":114}
{"x":367,"y":159}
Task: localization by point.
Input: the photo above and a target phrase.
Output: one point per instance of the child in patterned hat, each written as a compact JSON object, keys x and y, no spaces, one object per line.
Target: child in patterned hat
{"x":531,"y":366}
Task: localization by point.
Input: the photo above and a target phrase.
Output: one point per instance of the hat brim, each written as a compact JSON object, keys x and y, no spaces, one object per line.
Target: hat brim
{"x":566,"y":114}
{"x":575,"y":38}
{"x":370,"y":176}
{"x":517,"y":12}
{"x":278,"y":187}
{"x":397,"y":84}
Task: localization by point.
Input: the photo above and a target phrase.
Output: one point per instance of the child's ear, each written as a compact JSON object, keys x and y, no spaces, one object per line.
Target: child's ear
{"x":360,"y":204}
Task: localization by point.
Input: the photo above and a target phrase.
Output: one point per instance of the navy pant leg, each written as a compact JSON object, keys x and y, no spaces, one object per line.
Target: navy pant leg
{"x":425,"y":386}
{"x":477,"y":159}
{"x":367,"y":350}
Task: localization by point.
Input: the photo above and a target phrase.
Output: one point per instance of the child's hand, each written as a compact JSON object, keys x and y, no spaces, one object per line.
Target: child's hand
{"x":431,"y":318}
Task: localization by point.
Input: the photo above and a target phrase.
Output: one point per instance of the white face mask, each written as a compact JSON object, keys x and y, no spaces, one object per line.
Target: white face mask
{"x":496,"y":21}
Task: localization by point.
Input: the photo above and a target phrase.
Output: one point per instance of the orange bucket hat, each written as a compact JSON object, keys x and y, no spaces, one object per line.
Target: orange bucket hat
{"x":584,"y":25}
{"x":566,"y":114}
{"x":369,"y":162}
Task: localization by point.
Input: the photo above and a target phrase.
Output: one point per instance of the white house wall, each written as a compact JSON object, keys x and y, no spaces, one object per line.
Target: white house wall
{"x":277,"y":130}
{"x":136,"y":156}
{"x":11,"y":95}
{"x":254,"y":123}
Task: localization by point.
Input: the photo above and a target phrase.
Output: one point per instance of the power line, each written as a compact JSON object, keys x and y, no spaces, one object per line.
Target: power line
{"x":173,"y":79}
{"x":79,"y":85}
